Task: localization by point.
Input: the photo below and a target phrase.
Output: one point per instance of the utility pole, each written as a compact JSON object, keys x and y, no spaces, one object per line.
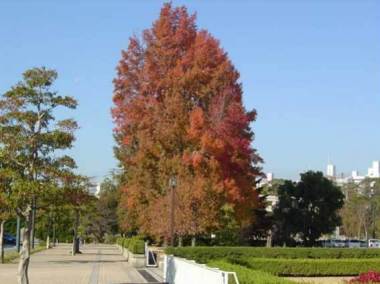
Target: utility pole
{"x":172,"y":185}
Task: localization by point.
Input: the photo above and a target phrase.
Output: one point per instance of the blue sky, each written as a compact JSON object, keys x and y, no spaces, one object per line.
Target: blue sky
{"x":310,"y":68}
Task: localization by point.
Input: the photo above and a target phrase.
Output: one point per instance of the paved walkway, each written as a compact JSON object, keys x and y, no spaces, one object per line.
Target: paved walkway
{"x":98,"y":264}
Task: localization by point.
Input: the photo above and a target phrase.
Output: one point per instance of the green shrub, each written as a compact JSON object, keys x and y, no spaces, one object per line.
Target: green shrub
{"x":249,"y":276}
{"x":134,"y":245}
{"x":109,"y":239}
{"x":205,"y":254}
{"x":119,"y":241}
{"x":309,"y":267}
{"x":126,"y":243}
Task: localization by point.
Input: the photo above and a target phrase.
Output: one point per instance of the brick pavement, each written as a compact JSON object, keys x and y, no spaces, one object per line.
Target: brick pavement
{"x":98,"y":264}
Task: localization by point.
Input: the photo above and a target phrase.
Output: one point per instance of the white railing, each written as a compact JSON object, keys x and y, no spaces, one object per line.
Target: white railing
{"x":182,"y":271}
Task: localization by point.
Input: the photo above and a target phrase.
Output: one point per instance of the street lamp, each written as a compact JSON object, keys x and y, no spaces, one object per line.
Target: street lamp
{"x":172,"y":185}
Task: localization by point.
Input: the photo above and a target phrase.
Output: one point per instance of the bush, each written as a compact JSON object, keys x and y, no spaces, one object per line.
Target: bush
{"x":119,"y":241}
{"x":205,"y":254}
{"x":249,"y":276}
{"x":135,"y":244}
{"x":309,"y":267}
{"x":109,"y":239}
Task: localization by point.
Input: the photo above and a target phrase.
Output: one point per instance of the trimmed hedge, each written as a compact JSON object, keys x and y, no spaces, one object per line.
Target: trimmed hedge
{"x":310,"y":267}
{"x":249,"y":276}
{"x":135,"y":244}
{"x":206,"y":254}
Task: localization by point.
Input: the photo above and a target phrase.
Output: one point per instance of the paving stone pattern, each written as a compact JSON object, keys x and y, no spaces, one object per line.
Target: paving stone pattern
{"x":98,"y":264}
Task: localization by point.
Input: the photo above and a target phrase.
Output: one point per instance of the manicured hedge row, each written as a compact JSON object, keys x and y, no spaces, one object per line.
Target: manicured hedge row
{"x":205,"y":254}
{"x":310,"y":267}
{"x":249,"y":276}
{"x":134,"y":245}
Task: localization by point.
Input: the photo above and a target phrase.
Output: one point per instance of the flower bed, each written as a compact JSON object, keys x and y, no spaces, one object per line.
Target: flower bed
{"x":367,"y":277}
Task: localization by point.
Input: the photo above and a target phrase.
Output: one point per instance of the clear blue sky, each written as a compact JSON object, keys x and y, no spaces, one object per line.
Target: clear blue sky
{"x":310,"y":68}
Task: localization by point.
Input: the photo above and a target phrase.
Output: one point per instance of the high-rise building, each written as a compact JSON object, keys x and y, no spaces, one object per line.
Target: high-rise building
{"x":331,"y":171}
{"x":269,"y":177}
{"x":374,"y":171}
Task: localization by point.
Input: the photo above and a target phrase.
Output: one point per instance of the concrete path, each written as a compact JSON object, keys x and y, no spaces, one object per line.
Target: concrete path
{"x":98,"y":264}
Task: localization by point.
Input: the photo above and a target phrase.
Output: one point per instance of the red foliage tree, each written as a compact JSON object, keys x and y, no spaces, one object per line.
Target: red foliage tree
{"x":178,"y":111}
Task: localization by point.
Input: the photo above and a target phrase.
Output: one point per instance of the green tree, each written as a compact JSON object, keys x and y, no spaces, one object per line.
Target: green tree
{"x":370,"y":189}
{"x":102,"y":218}
{"x":5,"y":213}
{"x":307,"y":209}
{"x":354,"y":214}
{"x":5,"y":209}
{"x":76,"y":190}
{"x":29,"y":138}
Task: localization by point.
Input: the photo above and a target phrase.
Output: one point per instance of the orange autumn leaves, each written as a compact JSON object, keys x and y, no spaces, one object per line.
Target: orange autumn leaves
{"x":178,"y":111}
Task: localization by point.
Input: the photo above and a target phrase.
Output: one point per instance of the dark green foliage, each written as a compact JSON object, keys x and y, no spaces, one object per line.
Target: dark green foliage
{"x":206,"y":254}
{"x":247,"y":275}
{"x":308,"y":209}
{"x":310,"y":267}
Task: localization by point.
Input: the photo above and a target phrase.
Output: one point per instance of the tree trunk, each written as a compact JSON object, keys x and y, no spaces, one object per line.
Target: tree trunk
{"x":54,"y":240}
{"x":48,"y":242}
{"x":18,"y":223}
{"x":32,"y":234}
{"x":22,"y":273}
{"x":193,"y":241}
{"x":269,"y":239}
{"x":2,"y":241}
{"x":75,"y":236}
{"x":48,"y":231}
{"x":180,"y":241}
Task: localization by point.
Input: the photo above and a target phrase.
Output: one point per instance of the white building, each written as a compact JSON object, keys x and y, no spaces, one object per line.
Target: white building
{"x":331,"y":171}
{"x":267,"y":180}
{"x":95,"y":190}
{"x":374,"y":171}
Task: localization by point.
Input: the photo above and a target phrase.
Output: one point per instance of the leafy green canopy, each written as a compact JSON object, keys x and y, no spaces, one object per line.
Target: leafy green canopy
{"x":308,"y":209}
{"x":30,"y":136}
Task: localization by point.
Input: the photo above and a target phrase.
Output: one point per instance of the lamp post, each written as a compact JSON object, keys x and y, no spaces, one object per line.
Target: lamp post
{"x":172,"y":185}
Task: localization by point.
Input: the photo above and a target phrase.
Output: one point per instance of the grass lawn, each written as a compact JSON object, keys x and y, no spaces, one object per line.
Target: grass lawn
{"x":14,"y":255}
{"x":269,"y":265}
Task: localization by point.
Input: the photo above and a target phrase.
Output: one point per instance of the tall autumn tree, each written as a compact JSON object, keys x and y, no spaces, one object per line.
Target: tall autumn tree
{"x":29,"y":139}
{"x":179,"y":113}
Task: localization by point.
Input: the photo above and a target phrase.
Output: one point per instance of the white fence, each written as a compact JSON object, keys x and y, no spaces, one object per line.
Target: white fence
{"x":182,"y":271}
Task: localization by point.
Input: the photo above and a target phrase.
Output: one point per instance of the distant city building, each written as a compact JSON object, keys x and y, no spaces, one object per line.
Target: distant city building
{"x":95,"y":190}
{"x":331,"y":171}
{"x":373,"y":172}
{"x":267,"y":180}
{"x":269,"y":177}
